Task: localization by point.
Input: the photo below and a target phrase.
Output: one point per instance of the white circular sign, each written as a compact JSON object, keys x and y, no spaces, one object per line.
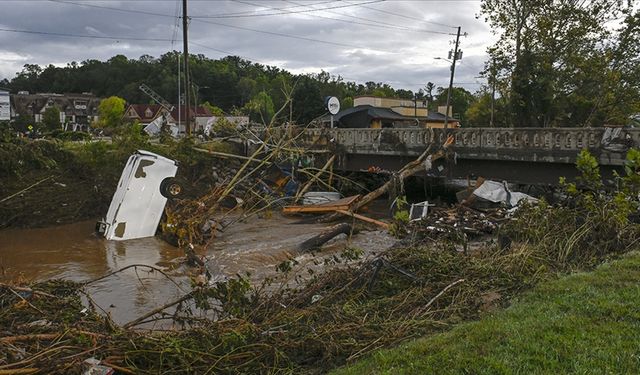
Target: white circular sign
{"x":333,"y":105}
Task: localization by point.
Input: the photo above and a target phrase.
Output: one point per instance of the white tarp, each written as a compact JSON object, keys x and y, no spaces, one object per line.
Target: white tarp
{"x":155,"y":126}
{"x":498,"y":192}
{"x":613,"y":139}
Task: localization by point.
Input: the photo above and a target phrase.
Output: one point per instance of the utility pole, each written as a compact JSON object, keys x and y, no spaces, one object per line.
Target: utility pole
{"x":187,"y":81}
{"x":453,"y":71}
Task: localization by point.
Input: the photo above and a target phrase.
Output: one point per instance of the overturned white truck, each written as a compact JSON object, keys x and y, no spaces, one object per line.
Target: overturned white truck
{"x":146,"y":182}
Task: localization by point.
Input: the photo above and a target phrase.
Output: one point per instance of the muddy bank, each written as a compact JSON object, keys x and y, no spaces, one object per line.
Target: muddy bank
{"x":48,"y":182}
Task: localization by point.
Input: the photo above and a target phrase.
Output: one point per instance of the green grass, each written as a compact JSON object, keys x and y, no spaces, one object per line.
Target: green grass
{"x":584,"y":323}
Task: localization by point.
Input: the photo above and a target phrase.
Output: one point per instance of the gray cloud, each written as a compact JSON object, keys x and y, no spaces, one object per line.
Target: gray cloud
{"x":387,"y":53}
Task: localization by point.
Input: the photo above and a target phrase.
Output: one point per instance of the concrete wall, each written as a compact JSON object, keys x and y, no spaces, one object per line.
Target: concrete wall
{"x":558,"y":145}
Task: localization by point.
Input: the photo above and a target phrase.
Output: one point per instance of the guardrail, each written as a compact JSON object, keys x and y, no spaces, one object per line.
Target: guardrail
{"x":569,"y":139}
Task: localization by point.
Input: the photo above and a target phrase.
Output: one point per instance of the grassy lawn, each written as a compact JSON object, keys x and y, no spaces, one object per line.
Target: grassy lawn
{"x":585,"y":323}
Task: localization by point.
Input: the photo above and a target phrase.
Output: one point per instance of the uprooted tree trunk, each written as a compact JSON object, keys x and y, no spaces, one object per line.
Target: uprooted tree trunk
{"x":320,"y":239}
{"x":407,"y":171}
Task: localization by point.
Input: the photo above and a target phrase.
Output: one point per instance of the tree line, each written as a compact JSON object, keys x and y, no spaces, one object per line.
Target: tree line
{"x":556,"y":63}
{"x":232,"y":85}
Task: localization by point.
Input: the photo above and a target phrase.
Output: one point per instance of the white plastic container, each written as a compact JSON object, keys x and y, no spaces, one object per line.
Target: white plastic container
{"x":137,"y":205}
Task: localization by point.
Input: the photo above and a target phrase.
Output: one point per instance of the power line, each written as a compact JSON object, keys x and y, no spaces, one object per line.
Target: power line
{"x":66,"y":35}
{"x":281,"y":11}
{"x":291,"y":36}
{"x":373,"y":23}
{"x":406,"y":17}
{"x":253,"y":12}
{"x":112,"y":8}
{"x":379,"y":23}
{"x":224,"y":25}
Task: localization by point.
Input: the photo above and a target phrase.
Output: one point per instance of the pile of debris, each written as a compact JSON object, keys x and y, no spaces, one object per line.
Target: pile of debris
{"x":482,"y":209}
{"x":458,"y":221}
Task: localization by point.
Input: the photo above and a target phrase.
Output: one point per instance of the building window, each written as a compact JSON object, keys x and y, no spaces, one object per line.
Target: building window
{"x":80,"y":104}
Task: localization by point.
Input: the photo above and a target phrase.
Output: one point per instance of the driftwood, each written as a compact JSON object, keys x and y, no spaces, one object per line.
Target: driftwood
{"x":408,"y":170}
{"x":320,"y":239}
{"x":159,"y":310}
{"x":340,"y":204}
{"x":379,"y":223}
{"x":25,"y":189}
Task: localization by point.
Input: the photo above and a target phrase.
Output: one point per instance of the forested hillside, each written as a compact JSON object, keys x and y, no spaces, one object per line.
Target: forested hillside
{"x":230,"y":83}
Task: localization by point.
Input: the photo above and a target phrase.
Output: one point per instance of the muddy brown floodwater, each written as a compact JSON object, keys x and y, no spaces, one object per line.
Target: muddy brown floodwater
{"x":73,"y":252}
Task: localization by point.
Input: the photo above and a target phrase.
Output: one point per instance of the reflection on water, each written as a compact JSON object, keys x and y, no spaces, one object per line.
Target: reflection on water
{"x":73,"y":252}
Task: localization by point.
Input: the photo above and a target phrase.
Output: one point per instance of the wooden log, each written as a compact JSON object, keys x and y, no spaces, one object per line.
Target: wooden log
{"x":159,"y":310}
{"x":322,"y":238}
{"x":364,"y":218}
{"x":332,"y":206}
{"x":16,"y":371}
{"x":408,"y":170}
{"x":312,"y":209}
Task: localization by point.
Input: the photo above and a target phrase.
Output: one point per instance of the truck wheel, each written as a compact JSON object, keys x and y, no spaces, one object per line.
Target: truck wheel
{"x":171,"y":189}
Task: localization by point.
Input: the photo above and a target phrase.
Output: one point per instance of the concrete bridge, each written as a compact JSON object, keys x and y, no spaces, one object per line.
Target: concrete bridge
{"x":520,"y":155}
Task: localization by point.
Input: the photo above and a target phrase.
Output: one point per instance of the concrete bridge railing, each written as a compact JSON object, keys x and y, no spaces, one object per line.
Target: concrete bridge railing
{"x":559,"y":145}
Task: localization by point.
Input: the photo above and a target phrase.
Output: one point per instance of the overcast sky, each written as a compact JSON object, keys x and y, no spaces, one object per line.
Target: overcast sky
{"x":390,"y":41}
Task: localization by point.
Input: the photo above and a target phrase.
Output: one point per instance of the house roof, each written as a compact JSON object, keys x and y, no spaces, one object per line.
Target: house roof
{"x":143,"y":110}
{"x":371,"y":111}
{"x":438,"y":117}
{"x":149,"y":112}
{"x":200,"y":111}
{"x":29,"y":104}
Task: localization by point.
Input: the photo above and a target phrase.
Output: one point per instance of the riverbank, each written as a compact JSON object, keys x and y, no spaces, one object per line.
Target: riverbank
{"x":48,"y":182}
{"x":312,"y":319}
{"x":584,"y":323}
{"x":338,"y":316}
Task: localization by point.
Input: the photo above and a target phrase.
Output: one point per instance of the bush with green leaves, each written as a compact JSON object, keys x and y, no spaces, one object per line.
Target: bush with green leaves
{"x":223,"y":127}
{"x":588,"y":227}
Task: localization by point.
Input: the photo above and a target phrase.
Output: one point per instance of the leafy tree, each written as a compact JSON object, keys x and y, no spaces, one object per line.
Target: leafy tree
{"x":346,"y":103}
{"x":460,"y":101}
{"x":261,"y":108}
{"x":307,"y":100}
{"x":21,"y":123}
{"x":231,"y":83}
{"x":563,"y":63}
{"x":111,"y":111}
{"x":51,"y":118}
{"x":216,"y":111}
{"x":479,"y":112}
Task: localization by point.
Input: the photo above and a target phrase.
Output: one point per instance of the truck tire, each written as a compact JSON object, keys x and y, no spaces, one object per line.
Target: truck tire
{"x":170,"y":188}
